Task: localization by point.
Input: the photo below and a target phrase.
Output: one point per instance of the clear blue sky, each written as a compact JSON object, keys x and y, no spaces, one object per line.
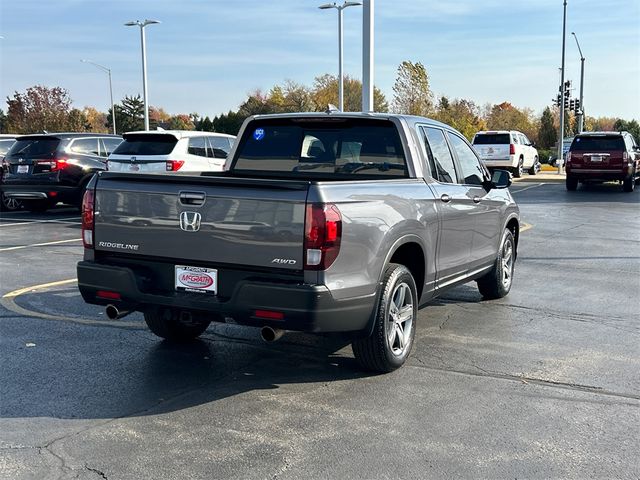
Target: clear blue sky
{"x":208,"y":54}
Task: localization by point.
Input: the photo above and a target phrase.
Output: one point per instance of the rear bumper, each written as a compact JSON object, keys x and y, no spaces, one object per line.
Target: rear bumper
{"x":499,"y":162}
{"x":598,"y":174}
{"x":306,"y":308}
{"x":61,"y":193}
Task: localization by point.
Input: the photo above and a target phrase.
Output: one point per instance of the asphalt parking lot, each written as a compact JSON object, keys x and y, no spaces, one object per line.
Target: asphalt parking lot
{"x":543,"y":383}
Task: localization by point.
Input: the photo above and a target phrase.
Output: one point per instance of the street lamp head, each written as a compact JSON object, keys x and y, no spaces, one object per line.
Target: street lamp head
{"x":149,"y":22}
{"x":327,"y":6}
{"x":132,"y":23}
{"x":351,"y":4}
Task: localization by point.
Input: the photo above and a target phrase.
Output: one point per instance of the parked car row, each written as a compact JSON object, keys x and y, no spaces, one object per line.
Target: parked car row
{"x":38,"y":171}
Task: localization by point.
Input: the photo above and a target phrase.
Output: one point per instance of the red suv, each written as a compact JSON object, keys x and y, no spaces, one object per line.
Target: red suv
{"x":602,"y":157}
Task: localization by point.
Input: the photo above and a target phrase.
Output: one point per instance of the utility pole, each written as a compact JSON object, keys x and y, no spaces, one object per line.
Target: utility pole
{"x":581,"y":119}
{"x":562,"y":91}
{"x":367,"y":55}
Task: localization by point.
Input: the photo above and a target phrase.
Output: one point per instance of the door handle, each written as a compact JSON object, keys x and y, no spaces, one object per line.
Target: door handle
{"x":445,"y":198}
{"x":476,"y":199}
{"x":192,"y":198}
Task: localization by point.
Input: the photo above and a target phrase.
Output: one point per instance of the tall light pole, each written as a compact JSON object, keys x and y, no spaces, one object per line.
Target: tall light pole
{"x":581,"y":120}
{"x":340,"y":8}
{"x":367,"y":55}
{"x":108,"y":71}
{"x":561,"y":134}
{"x":144,"y":64}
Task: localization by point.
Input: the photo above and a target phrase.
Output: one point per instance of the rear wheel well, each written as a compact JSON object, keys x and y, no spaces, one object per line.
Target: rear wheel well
{"x":514,"y":228}
{"x":411,"y":256}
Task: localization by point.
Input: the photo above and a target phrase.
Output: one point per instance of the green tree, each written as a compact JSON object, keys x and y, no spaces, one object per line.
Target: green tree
{"x":38,"y":108}
{"x":628,"y":126}
{"x":77,"y":121}
{"x":411,"y":93}
{"x":129,"y":114}
{"x":461,"y":114}
{"x":547,"y":133}
{"x":181,"y":122}
{"x":228,"y":123}
{"x":205,"y":125}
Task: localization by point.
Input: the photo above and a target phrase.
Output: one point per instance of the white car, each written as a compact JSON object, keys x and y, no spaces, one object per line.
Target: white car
{"x":507,"y":149}
{"x":171,"y":151}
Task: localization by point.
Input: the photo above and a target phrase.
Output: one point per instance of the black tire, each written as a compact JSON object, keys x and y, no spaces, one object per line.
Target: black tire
{"x":494,"y":284}
{"x":10,"y":204}
{"x":629,"y":183}
{"x":519,"y":170}
{"x":389,"y":345}
{"x":38,"y":206}
{"x":176,"y":326}
{"x":535,"y":168}
{"x":571,"y":183}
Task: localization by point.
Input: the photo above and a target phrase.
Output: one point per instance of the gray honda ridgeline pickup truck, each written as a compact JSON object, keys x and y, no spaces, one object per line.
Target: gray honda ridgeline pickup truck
{"x":323,"y":222}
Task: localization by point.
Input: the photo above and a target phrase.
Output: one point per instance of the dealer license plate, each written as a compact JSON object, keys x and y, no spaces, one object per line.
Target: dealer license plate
{"x":23,"y":168}
{"x":196,"y":279}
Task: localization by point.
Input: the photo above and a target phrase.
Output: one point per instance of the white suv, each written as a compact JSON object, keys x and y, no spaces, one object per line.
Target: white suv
{"x":171,"y":151}
{"x":507,"y":148}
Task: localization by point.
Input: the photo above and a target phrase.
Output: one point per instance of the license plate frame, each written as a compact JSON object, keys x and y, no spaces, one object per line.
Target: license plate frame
{"x":196,"y":279}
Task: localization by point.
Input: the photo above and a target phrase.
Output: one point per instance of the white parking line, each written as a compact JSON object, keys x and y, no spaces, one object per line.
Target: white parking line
{"x":27,"y":222}
{"x":527,"y":188}
{"x":20,"y":247}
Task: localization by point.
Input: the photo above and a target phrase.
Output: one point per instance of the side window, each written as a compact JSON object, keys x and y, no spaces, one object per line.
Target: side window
{"x":524,"y":140}
{"x":440,"y":159}
{"x":472,"y":172}
{"x":629,"y":142}
{"x":110,"y":145}
{"x":197,"y":146}
{"x":219,"y":146}
{"x":515,"y":139}
{"x":85,"y":146}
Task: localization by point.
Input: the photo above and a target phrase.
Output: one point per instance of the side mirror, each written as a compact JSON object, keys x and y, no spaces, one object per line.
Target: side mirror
{"x":499,"y":179}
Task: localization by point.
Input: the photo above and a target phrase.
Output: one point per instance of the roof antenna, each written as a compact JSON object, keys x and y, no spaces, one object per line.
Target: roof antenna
{"x":331,"y":108}
{"x":45,"y":132}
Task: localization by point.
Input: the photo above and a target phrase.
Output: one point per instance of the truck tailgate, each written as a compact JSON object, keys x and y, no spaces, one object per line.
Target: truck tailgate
{"x":204,"y":220}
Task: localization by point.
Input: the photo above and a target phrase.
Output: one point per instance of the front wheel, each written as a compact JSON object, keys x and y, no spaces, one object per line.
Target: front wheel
{"x":174,"y":325}
{"x":390,"y":342}
{"x":497,"y":283}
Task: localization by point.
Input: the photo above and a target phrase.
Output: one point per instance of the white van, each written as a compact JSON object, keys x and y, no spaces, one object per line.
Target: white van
{"x":171,"y":151}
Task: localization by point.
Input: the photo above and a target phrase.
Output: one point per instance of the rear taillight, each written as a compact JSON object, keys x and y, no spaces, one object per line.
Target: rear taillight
{"x":87,"y":218}
{"x":60,"y":164}
{"x":512,"y":149}
{"x":174,"y":165}
{"x":625,"y":156}
{"x":322,"y":234}
{"x":568,"y":157}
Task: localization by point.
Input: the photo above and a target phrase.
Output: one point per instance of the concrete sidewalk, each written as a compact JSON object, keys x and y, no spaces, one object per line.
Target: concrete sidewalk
{"x":546,"y":177}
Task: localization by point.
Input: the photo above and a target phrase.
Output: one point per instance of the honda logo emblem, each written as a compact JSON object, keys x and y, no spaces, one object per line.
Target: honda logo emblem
{"x":190,"y":221}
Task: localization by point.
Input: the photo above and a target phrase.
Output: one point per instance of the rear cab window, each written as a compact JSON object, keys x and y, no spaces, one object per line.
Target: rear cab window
{"x":146,"y":144}
{"x":335,"y":148}
{"x":597,"y":143}
{"x":491,"y":139}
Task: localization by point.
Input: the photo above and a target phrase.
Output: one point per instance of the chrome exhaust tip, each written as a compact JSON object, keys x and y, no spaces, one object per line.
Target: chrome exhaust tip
{"x":269,"y":334}
{"x":114,"y":314}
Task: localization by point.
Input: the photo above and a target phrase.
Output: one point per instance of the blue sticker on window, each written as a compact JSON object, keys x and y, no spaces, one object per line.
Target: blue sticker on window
{"x":258,"y":134}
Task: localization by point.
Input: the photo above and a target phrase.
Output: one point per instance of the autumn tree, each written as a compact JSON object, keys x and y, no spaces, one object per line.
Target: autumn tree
{"x":411,"y":93}
{"x":77,"y":121}
{"x":547,"y":133}
{"x":38,"y":108}
{"x":181,"y":121}
{"x":325,"y":92}
{"x":461,"y":114}
{"x":96,"y":120}
{"x":3,"y":122}
{"x":505,"y":116}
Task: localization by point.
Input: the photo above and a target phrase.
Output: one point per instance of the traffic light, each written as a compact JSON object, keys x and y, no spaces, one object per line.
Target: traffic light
{"x":577,"y":105}
{"x":566,"y":103}
{"x":556,"y":101}
{"x":572,"y":104}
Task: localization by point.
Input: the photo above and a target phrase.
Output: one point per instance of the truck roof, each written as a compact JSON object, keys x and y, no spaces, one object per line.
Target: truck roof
{"x":412,"y":119}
